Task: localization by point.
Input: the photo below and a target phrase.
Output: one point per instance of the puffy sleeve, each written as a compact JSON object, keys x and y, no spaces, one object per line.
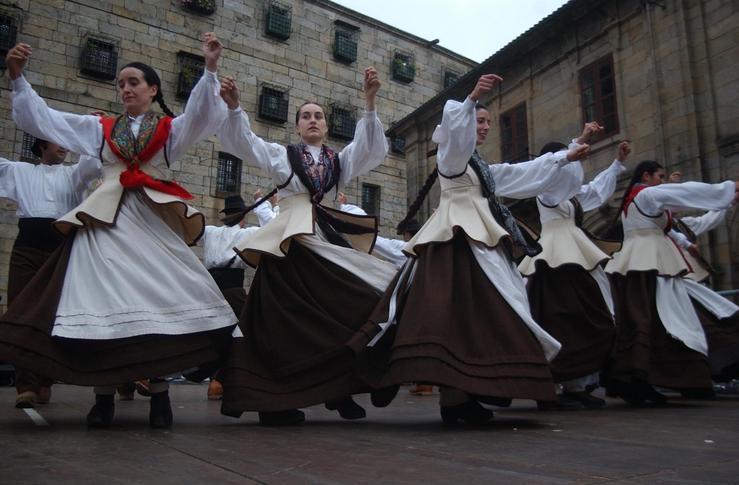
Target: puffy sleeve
{"x":601,"y":188}
{"x":7,"y":179}
{"x":264,"y":213}
{"x":686,"y":195}
{"x":81,"y":134}
{"x":238,"y":139}
{"x":367,"y":150}
{"x":706,"y":222}
{"x":456,"y":136}
{"x":85,"y":171}
{"x":204,"y":114}
{"x":529,"y":179}
{"x":680,"y":238}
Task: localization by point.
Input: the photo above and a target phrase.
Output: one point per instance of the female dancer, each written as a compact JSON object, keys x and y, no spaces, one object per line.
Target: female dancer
{"x":463,"y":319}
{"x":660,"y":339}
{"x":568,"y":290}
{"x":124,"y":298}
{"x":314,"y":286}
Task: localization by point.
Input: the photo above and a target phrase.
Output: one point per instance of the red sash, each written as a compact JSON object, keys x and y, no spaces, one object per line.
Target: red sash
{"x":632,"y":195}
{"x":134,"y":177}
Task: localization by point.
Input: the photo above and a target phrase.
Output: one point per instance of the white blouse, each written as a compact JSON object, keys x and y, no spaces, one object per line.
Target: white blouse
{"x":83,"y":134}
{"x":48,"y":191}
{"x":365,"y":152}
{"x":218,"y":246}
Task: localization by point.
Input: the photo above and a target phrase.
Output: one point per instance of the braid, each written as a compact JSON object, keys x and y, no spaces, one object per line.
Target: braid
{"x":416,"y":205}
{"x":259,"y":202}
{"x":646,"y":166}
{"x":160,"y":99}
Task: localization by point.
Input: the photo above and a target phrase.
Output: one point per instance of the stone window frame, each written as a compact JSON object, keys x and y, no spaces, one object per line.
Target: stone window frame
{"x":598,"y":100}
{"x":514,"y":134}
{"x":228,"y":174}
{"x":397,"y":145}
{"x":191,"y":68}
{"x":275,"y":111}
{"x":92,"y":64}
{"x":346,"y":42}
{"x":403,"y":67}
{"x":371,"y":199}
{"x":202,"y":7}
{"x":278,"y":20}
{"x":450,"y":73}
{"x":342,"y":121}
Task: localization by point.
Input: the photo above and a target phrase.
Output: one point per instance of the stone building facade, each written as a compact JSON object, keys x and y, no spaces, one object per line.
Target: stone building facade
{"x":282,"y":54}
{"x":659,"y":73}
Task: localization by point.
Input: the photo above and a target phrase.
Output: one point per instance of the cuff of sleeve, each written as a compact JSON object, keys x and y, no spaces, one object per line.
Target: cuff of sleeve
{"x":370,"y":114}
{"x":468,"y":103}
{"x":573,"y":144}
{"x":560,"y":158}
{"x":212,"y":75}
{"x":235,"y":112}
{"x":617,"y":165}
{"x":19,"y":83}
{"x":729,"y":187}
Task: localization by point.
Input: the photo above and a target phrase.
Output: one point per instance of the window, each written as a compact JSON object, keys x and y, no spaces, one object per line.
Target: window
{"x":205,"y":7}
{"x":450,"y":77}
{"x":371,"y":199}
{"x":26,"y":153}
{"x":514,"y":137}
{"x":99,"y":59}
{"x":341,"y":122}
{"x":345,"y":42}
{"x":229,"y":174}
{"x":278,"y":22}
{"x":404,"y":68}
{"x":191,"y":69}
{"x":598,"y":95}
{"x":397,"y":144}
{"x":273,"y":103}
{"x":8,"y":34}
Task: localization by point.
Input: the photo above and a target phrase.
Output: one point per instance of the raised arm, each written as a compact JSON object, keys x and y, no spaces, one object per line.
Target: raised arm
{"x":369,"y":147}
{"x":687,"y":195}
{"x":238,"y":139}
{"x":601,"y":188}
{"x":205,"y":111}
{"x":7,"y":179}
{"x":87,"y":169}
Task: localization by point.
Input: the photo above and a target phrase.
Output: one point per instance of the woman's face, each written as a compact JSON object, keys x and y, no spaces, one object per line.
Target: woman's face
{"x":134,"y":91}
{"x":311,"y":126}
{"x":483,"y":125}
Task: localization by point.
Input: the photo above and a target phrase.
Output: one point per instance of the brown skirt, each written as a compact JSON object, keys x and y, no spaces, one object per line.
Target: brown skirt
{"x":568,"y":304}
{"x":455,"y":329}
{"x":644,"y":350}
{"x":300,"y":315}
{"x":26,"y":341}
{"x":25,"y":262}
{"x":723,"y":343}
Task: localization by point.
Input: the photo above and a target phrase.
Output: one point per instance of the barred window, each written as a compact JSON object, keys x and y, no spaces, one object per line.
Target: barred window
{"x":371,"y":199}
{"x":228,"y":180}
{"x":598,"y":96}
{"x":26,"y":153}
{"x":342,"y":122}
{"x":191,"y":70}
{"x":278,"y":22}
{"x":99,"y":59}
{"x":345,"y":42}
{"x":273,"y":103}
{"x":8,"y":34}
{"x":450,"y":77}
{"x":514,"y":136}
{"x":404,"y":67}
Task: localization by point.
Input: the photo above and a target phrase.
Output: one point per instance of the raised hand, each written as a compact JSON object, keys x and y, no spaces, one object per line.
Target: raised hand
{"x":624,"y":150}
{"x":212,"y":49}
{"x":258,"y":194}
{"x":675,"y":177}
{"x":16,"y":59}
{"x":371,"y":85}
{"x":588,"y":131}
{"x":578,"y":153}
{"x":342,"y":198}
{"x":230,"y":92}
{"x":485,"y":84}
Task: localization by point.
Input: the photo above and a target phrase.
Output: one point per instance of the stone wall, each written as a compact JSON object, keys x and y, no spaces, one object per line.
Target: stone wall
{"x":155,"y":31}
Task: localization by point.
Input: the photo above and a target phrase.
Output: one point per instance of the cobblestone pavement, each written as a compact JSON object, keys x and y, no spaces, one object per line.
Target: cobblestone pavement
{"x":687,"y":442}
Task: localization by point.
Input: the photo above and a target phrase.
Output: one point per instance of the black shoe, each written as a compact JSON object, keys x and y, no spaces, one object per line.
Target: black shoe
{"x":584,"y":398}
{"x":101,"y":414}
{"x":470,"y":412}
{"x":347,"y":408}
{"x":281,"y":418}
{"x":563,"y":403}
{"x":382,"y":397}
{"x":707,"y":393}
{"x":160,"y":411}
{"x":650,"y":394}
{"x":503,"y":402}
{"x":627,"y":392}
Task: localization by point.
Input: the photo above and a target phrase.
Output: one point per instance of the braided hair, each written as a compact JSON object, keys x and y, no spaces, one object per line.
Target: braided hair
{"x":552,"y":147}
{"x":645,"y":166}
{"x":152,"y":78}
{"x":416,"y":205}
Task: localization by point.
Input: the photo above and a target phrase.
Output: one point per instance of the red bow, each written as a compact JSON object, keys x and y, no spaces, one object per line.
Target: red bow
{"x":134,"y":178}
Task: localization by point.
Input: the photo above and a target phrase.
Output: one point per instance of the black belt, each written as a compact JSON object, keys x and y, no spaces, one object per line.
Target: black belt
{"x":38,"y":233}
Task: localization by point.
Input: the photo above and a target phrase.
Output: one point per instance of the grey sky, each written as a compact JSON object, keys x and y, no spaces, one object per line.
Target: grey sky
{"x":473,"y":28}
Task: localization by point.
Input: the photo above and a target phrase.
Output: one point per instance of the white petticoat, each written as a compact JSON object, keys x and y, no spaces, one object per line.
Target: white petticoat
{"x":136,"y":278}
